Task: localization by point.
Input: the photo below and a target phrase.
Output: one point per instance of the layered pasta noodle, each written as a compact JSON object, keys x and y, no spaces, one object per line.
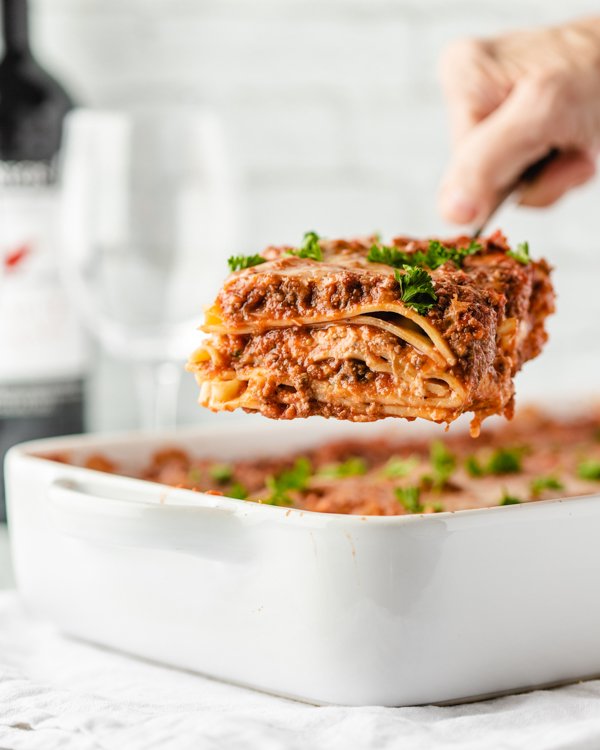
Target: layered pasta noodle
{"x":356,"y":330}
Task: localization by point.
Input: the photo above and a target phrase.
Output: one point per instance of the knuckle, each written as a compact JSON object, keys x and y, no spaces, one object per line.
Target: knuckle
{"x":550,"y":77}
{"x":546,"y":97}
{"x":550,"y":87}
{"x":459,"y":55}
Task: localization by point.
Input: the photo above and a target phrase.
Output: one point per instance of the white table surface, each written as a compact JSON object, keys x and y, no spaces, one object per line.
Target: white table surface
{"x":61,"y":694}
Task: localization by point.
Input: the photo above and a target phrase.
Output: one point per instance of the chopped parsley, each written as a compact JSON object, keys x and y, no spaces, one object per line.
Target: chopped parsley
{"x":237,"y":262}
{"x":409,"y":498}
{"x":539,"y":484}
{"x":309,"y":248}
{"x":471,"y":249}
{"x":353,"y":467}
{"x":295,"y":478}
{"x":396,"y":468}
{"x":388,"y":255}
{"x":416,"y":289}
{"x":443,"y":463}
{"x":501,"y":461}
{"x":473,"y":467}
{"x":221,"y":473}
{"x":589,"y":469}
{"x":438,"y":254}
{"x":437,"y":507}
{"x":435,"y":256}
{"x":507,"y":499}
{"x":237,"y":491}
{"x":520,"y":253}
{"x":505,"y":461}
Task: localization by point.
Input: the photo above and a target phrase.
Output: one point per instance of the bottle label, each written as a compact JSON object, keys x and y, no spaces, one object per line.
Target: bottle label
{"x":40,"y":337}
{"x":27,"y":174}
{"x":29,"y":411}
{"x":38,"y":400}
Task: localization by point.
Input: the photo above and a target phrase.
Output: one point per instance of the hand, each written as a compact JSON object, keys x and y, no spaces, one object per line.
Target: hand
{"x":511,"y":99}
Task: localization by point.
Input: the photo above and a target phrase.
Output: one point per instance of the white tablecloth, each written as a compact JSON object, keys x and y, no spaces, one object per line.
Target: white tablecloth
{"x":60,"y":693}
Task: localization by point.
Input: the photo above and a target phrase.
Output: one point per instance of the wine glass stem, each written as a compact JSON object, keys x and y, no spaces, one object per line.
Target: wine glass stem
{"x":157,"y":387}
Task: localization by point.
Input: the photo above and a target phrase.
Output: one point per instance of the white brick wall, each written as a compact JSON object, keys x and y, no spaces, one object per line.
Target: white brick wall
{"x":334,"y":116}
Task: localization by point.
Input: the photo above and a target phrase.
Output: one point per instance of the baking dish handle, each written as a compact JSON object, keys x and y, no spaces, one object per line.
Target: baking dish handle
{"x":194,"y":529}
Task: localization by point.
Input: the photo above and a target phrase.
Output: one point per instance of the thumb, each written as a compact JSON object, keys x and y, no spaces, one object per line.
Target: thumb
{"x":493,"y":155}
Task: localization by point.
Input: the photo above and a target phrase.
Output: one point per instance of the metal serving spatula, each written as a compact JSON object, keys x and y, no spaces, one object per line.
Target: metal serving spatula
{"x":529,"y":175}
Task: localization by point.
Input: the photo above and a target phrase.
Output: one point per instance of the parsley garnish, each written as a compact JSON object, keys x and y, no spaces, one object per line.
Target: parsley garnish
{"x":501,"y":461}
{"x":443,"y":463}
{"x":416,"y":289}
{"x":505,"y":461}
{"x":221,"y":473}
{"x":438,"y":254}
{"x":539,"y":484}
{"x":391,"y":256}
{"x":237,"y":262}
{"x":520,"y":253}
{"x":237,"y":491}
{"x":435,"y":256}
{"x":396,"y":468}
{"x":471,"y":249}
{"x":295,"y":478}
{"x":507,"y":499}
{"x":437,"y":508}
{"x":409,"y":497}
{"x":309,"y":248}
{"x":473,"y":467}
{"x":589,"y":469}
{"x":353,"y":467}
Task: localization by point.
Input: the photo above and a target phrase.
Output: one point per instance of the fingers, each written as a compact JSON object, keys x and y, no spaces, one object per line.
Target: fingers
{"x":569,"y":170}
{"x":473,"y":84}
{"x":490,"y":158}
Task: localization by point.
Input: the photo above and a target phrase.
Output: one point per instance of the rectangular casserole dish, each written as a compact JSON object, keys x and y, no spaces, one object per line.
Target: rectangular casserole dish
{"x":350,"y":610}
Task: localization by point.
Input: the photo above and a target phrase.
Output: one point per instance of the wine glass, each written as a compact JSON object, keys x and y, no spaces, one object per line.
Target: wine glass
{"x":147,"y":224}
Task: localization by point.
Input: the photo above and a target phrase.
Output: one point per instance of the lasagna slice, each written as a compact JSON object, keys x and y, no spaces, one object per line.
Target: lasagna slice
{"x":357,"y":330}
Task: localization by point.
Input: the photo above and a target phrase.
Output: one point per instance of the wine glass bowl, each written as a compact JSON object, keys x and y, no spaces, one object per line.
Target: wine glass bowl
{"x":147,"y":217}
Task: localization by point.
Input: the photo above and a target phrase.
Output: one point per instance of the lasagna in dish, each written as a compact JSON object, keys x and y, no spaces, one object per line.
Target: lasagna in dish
{"x":358,"y":330}
{"x":534,"y":457}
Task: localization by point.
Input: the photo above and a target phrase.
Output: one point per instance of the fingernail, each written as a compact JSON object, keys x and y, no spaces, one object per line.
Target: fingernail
{"x":457,"y":206}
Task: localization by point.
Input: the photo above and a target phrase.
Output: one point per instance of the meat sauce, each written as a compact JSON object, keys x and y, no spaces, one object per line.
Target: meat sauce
{"x":534,"y":457}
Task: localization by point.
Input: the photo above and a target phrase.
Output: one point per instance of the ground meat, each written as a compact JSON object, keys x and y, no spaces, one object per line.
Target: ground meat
{"x":268,"y":323}
{"x":471,"y":303}
{"x":535,"y":457}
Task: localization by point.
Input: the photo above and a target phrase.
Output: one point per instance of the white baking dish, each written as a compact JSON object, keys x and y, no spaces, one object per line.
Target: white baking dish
{"x":325,"y":608}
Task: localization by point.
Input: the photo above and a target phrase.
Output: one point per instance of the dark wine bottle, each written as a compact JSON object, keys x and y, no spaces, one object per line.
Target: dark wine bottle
{"x":42,"y":353}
